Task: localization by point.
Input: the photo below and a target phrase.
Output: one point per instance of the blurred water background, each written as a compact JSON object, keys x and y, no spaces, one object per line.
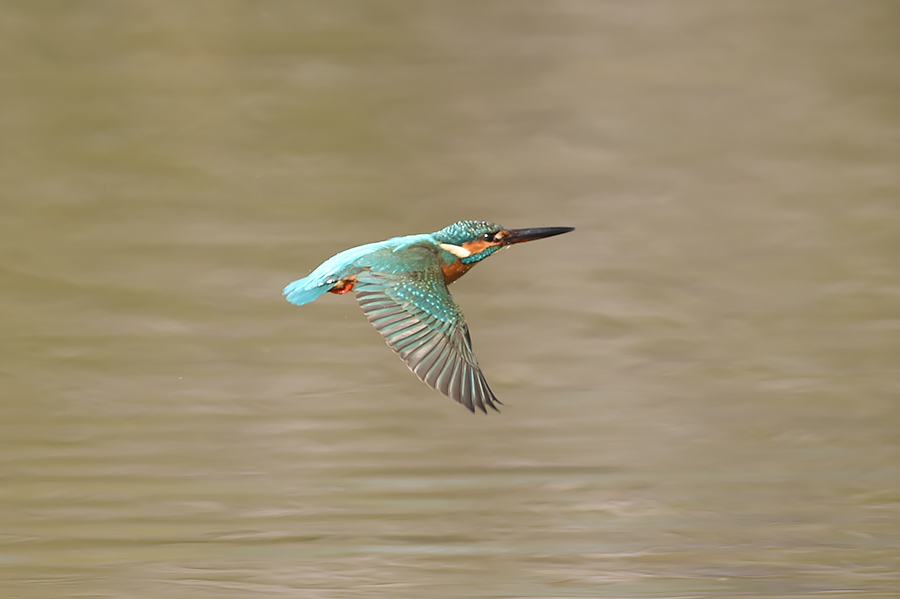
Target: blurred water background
{"x":701,"y":383}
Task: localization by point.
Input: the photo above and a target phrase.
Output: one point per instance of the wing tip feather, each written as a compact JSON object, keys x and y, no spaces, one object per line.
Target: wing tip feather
{"x":432,"y":355}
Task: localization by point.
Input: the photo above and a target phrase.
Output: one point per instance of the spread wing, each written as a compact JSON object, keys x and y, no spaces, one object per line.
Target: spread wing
{"x":415,"y":313}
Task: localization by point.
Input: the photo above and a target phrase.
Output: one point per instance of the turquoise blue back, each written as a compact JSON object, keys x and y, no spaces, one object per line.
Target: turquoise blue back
{"x":380,"y":256}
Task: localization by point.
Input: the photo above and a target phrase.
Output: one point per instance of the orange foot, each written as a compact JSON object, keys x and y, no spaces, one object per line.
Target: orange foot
{"x":343,"y":286}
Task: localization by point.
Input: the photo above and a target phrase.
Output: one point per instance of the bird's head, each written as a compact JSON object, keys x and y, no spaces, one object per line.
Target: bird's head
{"x":474,"y":240}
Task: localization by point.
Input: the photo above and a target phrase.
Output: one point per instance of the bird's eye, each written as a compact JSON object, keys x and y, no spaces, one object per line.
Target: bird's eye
{"x":489,"y":236}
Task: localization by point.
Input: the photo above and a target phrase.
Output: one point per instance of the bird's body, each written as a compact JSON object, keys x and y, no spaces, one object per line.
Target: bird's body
{"x":401,"y":285}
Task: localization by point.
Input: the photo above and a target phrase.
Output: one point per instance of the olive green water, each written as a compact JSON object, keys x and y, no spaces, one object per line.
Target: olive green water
{"x":701,"y":382}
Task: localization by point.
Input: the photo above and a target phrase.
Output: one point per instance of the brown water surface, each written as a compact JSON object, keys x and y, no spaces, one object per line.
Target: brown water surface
{"x":701,"y":383}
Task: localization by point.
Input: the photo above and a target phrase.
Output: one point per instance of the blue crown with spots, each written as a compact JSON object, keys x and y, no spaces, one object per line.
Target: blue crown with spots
{"x":465,"y":230}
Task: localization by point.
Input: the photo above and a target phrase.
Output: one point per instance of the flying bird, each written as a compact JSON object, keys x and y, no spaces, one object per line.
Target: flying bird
{"x":401,"y":286}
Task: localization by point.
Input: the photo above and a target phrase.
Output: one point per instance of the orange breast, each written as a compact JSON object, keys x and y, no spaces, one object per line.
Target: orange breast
{"x":454,"y":270}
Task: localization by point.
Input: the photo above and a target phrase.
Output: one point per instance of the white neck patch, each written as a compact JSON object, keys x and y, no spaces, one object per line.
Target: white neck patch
{"x":456,"y":250}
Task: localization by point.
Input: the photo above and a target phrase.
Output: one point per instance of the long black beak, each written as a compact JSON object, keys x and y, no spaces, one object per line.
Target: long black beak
{"x":520,"y":235}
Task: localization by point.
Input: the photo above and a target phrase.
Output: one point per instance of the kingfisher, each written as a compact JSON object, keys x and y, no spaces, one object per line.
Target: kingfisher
{"x":401,"y":286}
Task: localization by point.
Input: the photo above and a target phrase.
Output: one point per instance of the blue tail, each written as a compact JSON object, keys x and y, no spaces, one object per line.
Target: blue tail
{"x":305,"y":290}
{"x":325,"y":277}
